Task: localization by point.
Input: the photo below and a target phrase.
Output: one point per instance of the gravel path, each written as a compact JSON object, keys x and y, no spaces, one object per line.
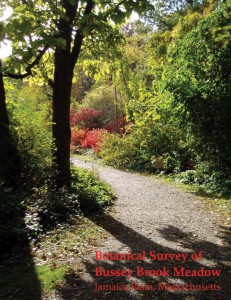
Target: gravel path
{"x":150,"y":218}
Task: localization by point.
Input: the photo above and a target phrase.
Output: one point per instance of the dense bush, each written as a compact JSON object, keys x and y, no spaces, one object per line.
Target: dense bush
{"x":200,"y":80}
{"x":208,"y":177}
{"x":94,"y":195}
{"x":78,"y":136}
{"x":156,"y":148}
{"x":120,"y":151}
{"x":102,"y":99}
{"x":31,"y":128}
{"x":88,"y":128}
{"x":94,"y":139}
{"x":99,"y":112}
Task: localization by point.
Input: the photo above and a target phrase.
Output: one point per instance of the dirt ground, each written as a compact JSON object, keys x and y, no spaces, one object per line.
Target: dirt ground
{"x":179,"y":249}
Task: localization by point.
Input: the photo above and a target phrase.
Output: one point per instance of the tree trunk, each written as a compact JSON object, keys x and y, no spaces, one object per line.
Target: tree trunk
{"x":65,"y":60}
{"x":61,"y":110}
{"x":10,"y":164}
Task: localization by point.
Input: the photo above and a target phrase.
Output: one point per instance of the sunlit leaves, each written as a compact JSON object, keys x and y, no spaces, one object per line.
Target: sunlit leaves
{"x":200,"y":80}
{"x":35,"y":24}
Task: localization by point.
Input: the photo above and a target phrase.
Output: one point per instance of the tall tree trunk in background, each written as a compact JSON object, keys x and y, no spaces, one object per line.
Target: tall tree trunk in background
{"x":9,"y":159}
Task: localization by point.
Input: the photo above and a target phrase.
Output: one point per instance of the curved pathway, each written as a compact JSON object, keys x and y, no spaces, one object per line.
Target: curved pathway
{"x":149,"y":218}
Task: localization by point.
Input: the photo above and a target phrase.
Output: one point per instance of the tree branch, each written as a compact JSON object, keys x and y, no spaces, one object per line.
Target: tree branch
{"x":116,"y":6}
{"x":78,"y":40}
{"x":29,"y":67}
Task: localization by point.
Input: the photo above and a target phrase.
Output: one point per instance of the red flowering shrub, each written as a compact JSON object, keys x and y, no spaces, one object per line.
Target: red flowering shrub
{"x":93,"y":139}
{"x":87,"y":117}
{"x":87,"y":138}
{"x":90,"y":126}
{"x":78,"y":136}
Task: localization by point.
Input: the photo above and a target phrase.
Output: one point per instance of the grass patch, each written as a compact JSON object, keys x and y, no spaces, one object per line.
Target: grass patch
{"x":24,"y":281}
{"x":50,"y":276}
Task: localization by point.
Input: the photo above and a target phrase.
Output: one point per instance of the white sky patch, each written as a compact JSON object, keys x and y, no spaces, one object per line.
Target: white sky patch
{"x":6,"y":14}
{"x":5,"y":46}
{"x":5,"y":49}
{"x":134,"y":16}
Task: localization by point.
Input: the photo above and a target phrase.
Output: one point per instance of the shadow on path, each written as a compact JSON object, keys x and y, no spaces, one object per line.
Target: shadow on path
{"x":214,"y":258}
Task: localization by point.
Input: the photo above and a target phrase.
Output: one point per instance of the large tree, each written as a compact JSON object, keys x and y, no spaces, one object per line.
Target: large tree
{"x":60,"y":28}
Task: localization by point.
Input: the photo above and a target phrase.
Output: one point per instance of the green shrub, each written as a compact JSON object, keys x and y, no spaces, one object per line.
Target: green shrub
{"x":166,"y":164}
{"x":208,"y":176}
{"x":30,"y":117}
{"x":153,"y":148}
{"x":120,"y":151}
{"x":102,"y":99}
{"x":94,"y":195}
